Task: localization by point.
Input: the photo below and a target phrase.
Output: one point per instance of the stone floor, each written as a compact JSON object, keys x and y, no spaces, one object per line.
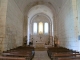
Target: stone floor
{"x":41,"y":55}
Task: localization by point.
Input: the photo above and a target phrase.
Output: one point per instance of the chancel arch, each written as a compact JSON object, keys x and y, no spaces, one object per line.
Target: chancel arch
{"x":41,"y":14}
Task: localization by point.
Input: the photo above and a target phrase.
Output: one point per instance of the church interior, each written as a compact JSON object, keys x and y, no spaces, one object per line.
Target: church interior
{"x":39,"y":29}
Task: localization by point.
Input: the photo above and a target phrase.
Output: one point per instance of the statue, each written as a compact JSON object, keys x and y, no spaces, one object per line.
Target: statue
{"x":56,"y":42}
{"x":25,"y":41}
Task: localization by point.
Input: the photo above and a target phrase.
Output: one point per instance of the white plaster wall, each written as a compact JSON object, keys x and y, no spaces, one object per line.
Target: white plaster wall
{"x":66,"y":26}
{"x":14,"y":26}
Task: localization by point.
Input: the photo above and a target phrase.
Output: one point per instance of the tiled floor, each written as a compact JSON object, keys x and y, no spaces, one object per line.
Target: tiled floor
{"x":41,"y":55}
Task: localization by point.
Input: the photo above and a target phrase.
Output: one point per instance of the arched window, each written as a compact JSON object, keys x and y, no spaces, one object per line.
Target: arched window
{"x":40,"y":28}
{"x":46,"y":28}
{"x":35,"y":28}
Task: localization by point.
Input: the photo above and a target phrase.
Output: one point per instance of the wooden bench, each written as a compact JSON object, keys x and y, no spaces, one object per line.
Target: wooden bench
{"x":53,"y":52}
{"x":27,"y":52}
{"x":64,"y":54}
{"x":17,"y":54}
{"x":11,"y":58}
{"x":76,"y":58}
{"x":69,"y":55}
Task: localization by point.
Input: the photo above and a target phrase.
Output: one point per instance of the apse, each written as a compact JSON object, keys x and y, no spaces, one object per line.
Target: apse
{"x":40,"y":10}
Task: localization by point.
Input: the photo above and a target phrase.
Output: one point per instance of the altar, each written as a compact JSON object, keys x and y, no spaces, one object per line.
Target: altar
{"x":40,"y":44}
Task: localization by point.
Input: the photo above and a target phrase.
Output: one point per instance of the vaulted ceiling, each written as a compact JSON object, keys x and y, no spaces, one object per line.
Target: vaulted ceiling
{"x":25,"y":5}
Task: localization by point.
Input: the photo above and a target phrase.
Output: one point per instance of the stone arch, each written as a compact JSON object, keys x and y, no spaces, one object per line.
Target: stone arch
{"x":41,"y":14}
{"x":49,"y":20}
{"x":49,"y":15}
{"x":30,"y":5}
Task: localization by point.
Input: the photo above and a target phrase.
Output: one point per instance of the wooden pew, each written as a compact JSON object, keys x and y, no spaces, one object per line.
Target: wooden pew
{"x":58,"y":55}
{"x":11,"y":58}
{"x":53,"y":50}
{"x":15,"y":54}
{"x":27,"y":52}
{"x":76,"y":58}
{"x":64,"y":54}
{"x":18,"y":54}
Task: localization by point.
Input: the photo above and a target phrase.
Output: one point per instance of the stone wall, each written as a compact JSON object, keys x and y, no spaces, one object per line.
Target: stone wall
{"x":0,"y":4}
{"x":3,"y":9}
{"x":14,"y":26}
{"x":66,"y":25}
{"x":78,"y":10}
